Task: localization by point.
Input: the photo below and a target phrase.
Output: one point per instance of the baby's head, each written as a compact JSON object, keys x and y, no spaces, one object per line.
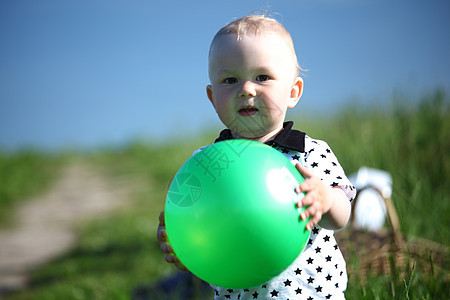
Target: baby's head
{"x":254,"y":76}
{"x":257,"y":25}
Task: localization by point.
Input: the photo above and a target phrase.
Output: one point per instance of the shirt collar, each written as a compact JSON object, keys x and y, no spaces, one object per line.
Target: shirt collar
{"x":287,"y":138}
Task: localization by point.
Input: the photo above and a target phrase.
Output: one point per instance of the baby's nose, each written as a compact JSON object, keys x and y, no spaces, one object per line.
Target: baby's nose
{"x":247,"y":89}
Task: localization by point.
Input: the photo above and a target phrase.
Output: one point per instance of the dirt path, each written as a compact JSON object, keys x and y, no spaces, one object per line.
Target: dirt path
{"x":45,"y":226}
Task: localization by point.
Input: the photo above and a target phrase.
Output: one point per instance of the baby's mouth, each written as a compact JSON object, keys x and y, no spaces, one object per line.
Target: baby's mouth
{"x":248,"y":111}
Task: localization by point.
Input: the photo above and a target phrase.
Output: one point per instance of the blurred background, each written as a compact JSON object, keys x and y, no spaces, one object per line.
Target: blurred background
{"x":102,"y":101}
{"x":79,"y":74}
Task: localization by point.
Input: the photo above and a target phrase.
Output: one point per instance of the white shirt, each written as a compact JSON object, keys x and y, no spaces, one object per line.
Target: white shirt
{"x":319,"y":272}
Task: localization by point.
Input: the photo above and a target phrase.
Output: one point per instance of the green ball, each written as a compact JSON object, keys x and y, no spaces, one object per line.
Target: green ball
{"x":231,"y":216}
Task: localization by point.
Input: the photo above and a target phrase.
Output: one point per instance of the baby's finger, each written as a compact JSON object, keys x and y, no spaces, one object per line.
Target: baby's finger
{"x":306,"y":173}
{"x":314,"y":220}
{"x":308,"y":199}
{"x":166,"y":248}
{"x":310,"y":225}
{"x":304,"y":215}
{"x":309,"y":184}
{"x":161,"y":219}
{"x":171,"y":258}
{"x":312,"y":209}
{"x":161,"y":234}
{"x":180,"y":266}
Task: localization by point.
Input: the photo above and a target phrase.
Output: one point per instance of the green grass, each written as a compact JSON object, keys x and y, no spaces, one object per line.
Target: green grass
{"x":116,"y":254}
{"x":410,"y":142}
{"x":23,"y":174}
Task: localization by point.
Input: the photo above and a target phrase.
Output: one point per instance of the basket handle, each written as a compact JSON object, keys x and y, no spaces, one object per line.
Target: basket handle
{"x":391,"y":214}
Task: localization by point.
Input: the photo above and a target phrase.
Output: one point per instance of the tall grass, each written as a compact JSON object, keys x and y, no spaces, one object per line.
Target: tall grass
{"x":119,"y":253}
{"x":410,"y":142}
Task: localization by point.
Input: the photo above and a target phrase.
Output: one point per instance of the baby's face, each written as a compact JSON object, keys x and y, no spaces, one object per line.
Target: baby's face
{"x":253,"y":82}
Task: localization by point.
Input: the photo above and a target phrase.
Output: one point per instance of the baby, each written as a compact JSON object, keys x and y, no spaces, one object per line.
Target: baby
{"x":254,"y":79}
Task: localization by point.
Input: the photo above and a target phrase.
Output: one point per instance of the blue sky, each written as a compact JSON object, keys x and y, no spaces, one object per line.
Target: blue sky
{"x":88,"y":73}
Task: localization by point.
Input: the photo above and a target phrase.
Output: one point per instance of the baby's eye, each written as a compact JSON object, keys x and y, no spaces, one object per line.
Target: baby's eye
{"x":262,"y":78}
{"x":230,"y":80}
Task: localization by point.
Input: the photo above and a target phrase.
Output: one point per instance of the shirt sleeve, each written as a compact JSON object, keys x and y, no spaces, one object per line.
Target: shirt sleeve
{"x":320,"y":159}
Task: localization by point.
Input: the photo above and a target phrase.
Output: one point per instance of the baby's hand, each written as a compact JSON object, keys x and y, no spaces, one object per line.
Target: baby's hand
{"x":169,"y":254}
{"x":318,"y":197}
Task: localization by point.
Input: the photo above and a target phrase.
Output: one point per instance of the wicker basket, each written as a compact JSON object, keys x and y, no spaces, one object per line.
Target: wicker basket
{"x":387,"y":252}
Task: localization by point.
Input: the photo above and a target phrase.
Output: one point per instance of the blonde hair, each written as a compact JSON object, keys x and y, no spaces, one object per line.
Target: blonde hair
{"x":257,"y":24}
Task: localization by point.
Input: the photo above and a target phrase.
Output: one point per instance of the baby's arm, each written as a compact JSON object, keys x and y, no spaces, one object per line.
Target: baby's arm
{"x":169,"y":255}
{"x":329,"y":206}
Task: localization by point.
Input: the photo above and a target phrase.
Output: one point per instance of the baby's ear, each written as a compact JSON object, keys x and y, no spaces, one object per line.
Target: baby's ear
{"x":209,"y":93}
{"x":296,"y":92}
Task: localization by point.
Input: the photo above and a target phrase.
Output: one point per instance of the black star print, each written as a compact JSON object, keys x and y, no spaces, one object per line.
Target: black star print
{"x":328,"y":150}
{"x":319,"y":289}
{"x":255,"y":295}
{"x":310,"y":261}
{"x":298,"y":291}
{"x":264,"y":286}
{"x":314,"y":165}
{"x":315,"y":230}
{"x":336,"y":266}
{"x":334,"y":164}
{"x":284,"y":150}
{"x":327,"y":172}
{"x":217,"y":292}
{"x":323,"y":156}
{"x":310,"y":298}
{"x":246,"y":290}
{"x":310,"y":280}
{"x":228,"y":296}
{"x":296,"y":157}
{"x":274,"y":293}
{"x":287,"y":282}
{"x":328,"y":258}
{"x":328,"y":296}
{"x":326,"y":238}
{"x":318,"y":250}
{"x":337,"y":285}
{"x":336,"y":247}
{"x":340,"y":274}
{"x":334,"y":184}
{"x":310,"y":242}
{"x":329,"y":277}
{"x":298,"y":271}
{"x":319,"y":269}
{"x":338,"y":177}
{"x":230,"y":290}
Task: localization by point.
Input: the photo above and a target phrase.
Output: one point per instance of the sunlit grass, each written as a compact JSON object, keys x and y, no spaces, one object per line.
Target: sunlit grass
{"x":116,"y":254}
{"x":25,"y":174}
